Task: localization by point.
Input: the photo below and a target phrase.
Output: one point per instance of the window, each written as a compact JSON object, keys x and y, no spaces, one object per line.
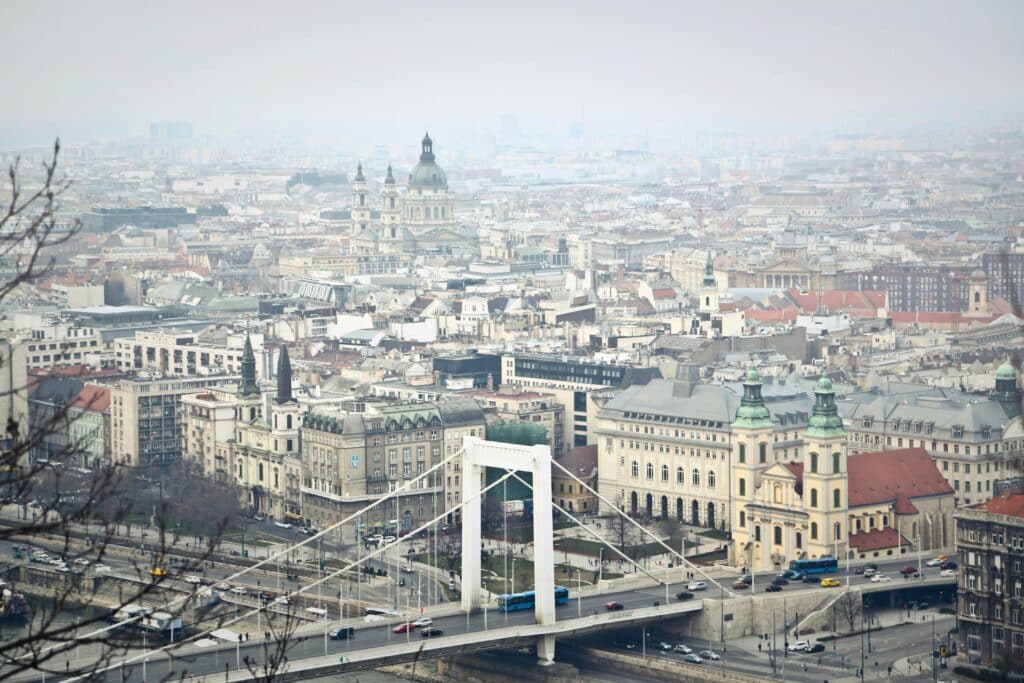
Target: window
{"x":635,"y":469}
{"x":838,"y":535}
{"x":650,"y":471}
{"x":814,"y":499}
{"x":757,"y":533}
{"x":762,"y":453}
{"x":777,"y":494}
{"x":679,"y":475}
{"x":743,"y":488}
{"x":743,"y":452}
{"x":696,"y":477}
{"x":743,"y":518}
{"x":664,"y":472}
{"x":835,"y":463}
{"x":814,"y":531}
{"x":814,"y":463}
{"x":836,"y":498}
{"x":711,"y":480}
{"x":778,"y":535}
{"x":799,"y":540}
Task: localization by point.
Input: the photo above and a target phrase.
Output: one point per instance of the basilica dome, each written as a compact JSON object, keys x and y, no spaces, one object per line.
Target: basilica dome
{"x":427,"y":175}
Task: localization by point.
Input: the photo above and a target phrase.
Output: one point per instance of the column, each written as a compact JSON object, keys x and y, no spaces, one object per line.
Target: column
{"x":470,"y":532}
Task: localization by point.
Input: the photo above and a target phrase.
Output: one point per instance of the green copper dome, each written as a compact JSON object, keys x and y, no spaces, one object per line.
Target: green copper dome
{"x":1006,"y":371}
{"x":825,"y":422}
{"x":752,"y":413}
{"x":427,"y":175}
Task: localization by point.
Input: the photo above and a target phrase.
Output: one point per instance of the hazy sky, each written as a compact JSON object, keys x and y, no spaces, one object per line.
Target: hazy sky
{"x":374,"y":68}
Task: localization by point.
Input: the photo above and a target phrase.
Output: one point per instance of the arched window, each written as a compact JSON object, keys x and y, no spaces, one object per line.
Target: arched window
{"x":814,"y":498}
{"x":711,"y":515}
{"x":679,"y":509}
{"x":835,"y":463}
{"x":743,"y":487}
{"x":836,"y":498}
{"x":778,"y":535}
{"x":392,"y":202}
{"x":664,"y":472}
{"x":711,"y":480}
{"x":814,"y":531}
{"x":650,"y":471}
{"x":680,"y":477}
{"x":762,"y":453}
{"x":777,"y":494}
{"x":838,"y":531}
{"x":743,"y":452}
{"x":814,"y":463}
{"x":977,"y":297}
{"x":633,"y":502}
{"x":696,"y":477}
{"x":885,"y":521}
{"x":288,"y":421}
{"x":635,"y":469}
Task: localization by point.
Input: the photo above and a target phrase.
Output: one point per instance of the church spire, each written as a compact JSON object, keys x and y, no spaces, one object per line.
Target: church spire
{"x":825,"y":422}
{"x":284,"y":376}
{"x":752,"y":413}
{"x":709,"y":271}
{"x":249,"y":386}
{"x":390,"y":180}
{"x":359,"y":173}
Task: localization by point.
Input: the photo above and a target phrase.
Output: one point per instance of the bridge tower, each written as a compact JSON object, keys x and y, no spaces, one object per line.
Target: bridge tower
{"x":479,"y":454}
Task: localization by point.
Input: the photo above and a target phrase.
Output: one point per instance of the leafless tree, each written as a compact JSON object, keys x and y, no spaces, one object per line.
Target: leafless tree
{"x":850,"y":608}
{"x":276,"y":640}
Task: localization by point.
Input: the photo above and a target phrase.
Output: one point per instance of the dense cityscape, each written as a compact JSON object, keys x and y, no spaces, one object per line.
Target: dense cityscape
{"x":514,"y":405}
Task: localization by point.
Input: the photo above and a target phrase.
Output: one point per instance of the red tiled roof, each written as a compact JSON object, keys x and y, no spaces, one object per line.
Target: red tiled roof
{"x":904,"y":506}
{"x":664,"y":293}
{"x":1010,"y":505}
{"x":876,"y":539}
{"x":857,"y":303}
{"x":786,"y":315}
{"x":92,"y":397}
{"x":885,"y":476}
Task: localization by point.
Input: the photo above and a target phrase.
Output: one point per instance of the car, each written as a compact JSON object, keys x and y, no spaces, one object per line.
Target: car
{"x":282,"y":525}
{"x":791,"y":574}
{"x":664,"y":646}
{"x":404,"y":628}
{"x":772,"y":588}
{"x":780,"y":581}
{"x":934,"y":562}
{"x":101,"y":569}
{"x":62,"y":567}
{"x":283,"y":600}
{"x":859,"y":570}
{"x":682,"y":649}
{"x":810,"y":578}
{"x":258,"y":518}
{"x":923,"y":605}
{"x":693,"y":659}
{"x":343,"y":633}
{"x":158,"y":571}
{"x":431,"y":632}
{"x":239,"y":590}
{"x":870,"y":571}
{"x":708,"y":654}
{"x":193,"y":579}
{"x":948,"y":564}
{"x":266,"y":596}
{"x":746,"y":578}
{"x":684,"y":595}
{"x":830,"y":583}
{"x":81,"y":560}
{"x":799,"y":646}
{"x":611,"y":606}
{"x":390,"y":539}
{"x":908,"y":571}
{"x":816,"y":647}
{"x":425,"y":621}
{"x":39,"y":558}
{"x":740,"y":585}
{"x":697,"y":586}
{"x":948,"y":573}
{"x":880,"y":578}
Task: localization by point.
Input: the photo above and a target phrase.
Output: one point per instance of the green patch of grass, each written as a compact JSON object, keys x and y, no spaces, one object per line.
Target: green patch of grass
{"x":715,"y":533}
{"x":708,"y":558}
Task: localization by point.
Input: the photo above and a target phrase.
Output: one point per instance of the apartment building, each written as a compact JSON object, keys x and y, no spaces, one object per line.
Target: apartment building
{"x":516,"y":404}
{"x":169,"y":354}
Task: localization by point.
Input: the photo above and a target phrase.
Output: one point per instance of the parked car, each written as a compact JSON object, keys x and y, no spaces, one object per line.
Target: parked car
{"x":708,"y":654}
{"x":693,"y":659}
{"x":402,"y":628}
{"x":684,"y":595}
{"x":799,"y":646}
{"x":908,"y":571}
{"x":343,"y":633}
{"x":682,"y":649}
{"x":697,"y":586}
{"x":431,"y":632}
{"x":880,"y":578}
{"x":948,"y":573}
{"x":816,"y":647}
{"x":610,"y":606}
{"x":830,"y":583}
{"x":772,"y":588}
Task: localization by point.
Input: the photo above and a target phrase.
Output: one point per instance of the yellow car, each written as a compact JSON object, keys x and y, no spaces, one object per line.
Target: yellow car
{"x":158,"y":571}
{"x":830,"y":583}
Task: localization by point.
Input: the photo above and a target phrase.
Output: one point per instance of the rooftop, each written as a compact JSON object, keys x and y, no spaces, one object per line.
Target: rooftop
{"x":889,"y":476}
{"x":1008,"y":504}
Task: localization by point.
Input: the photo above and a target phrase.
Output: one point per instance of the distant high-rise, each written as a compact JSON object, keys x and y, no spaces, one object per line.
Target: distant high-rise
{"x":170,"y":131}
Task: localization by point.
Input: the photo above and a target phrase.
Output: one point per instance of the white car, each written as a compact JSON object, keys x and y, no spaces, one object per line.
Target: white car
{"x":390,"y":539}
{"x":697,"y":586}
{"x":61,"y":567}
{"x":948,"y":572}
{"x":799,"y":646}
{"x":934,"y":562}
{"x":239,"y":590}
{"x":283,"y":525}
{"x":81,"y":560}
{"x":101,"y":569}
{"x":425,"y":621}
{"x":281,"y":601}
{"x":708,"y":654}
{"x":682,"y":649}
{"x":194,"y":580}
{"x":880,"y":578}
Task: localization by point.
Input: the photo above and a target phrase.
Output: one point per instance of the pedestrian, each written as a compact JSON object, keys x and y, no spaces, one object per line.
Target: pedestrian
{"x":759,"y":647}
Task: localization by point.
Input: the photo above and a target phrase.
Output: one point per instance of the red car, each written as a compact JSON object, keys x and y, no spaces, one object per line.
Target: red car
{"x":402,"y":628}
{"x":908,"y":571}
{"x":613,"y":605}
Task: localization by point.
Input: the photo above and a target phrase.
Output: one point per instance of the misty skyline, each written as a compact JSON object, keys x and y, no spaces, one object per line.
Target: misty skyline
{"x":352,"y":70}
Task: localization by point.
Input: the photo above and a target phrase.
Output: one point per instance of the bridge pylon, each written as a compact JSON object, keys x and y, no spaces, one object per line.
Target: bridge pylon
{"x":478,"y":454}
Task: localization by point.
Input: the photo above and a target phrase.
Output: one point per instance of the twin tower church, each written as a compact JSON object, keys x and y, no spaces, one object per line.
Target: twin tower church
{"x":420,"y":218}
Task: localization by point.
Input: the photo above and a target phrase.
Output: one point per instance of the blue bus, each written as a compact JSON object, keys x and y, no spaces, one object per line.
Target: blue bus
{"x":516,"y":601}
{"x":822,"y":565}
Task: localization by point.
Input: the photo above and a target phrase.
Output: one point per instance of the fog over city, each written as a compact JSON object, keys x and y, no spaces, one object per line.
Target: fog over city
{"x":556,"y":342}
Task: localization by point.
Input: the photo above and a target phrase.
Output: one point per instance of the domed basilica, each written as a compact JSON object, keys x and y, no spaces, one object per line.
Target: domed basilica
{"x":421,"y":218}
